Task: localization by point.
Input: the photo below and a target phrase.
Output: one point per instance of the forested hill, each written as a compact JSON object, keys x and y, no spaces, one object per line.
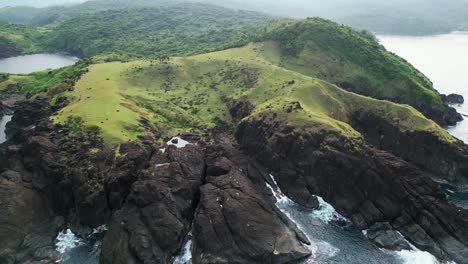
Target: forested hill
{"x":152,"y":31}
{"x":412,"y":17}
{"x":315,"y":47}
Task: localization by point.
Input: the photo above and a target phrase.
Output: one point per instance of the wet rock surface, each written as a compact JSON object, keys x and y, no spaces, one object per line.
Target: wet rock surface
{"x":363,"y":183}
{"x":384,"y":236}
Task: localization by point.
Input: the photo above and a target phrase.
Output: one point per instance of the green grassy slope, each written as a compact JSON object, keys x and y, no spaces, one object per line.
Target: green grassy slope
{"x":190,"y":93}
{"x":351,"y":59}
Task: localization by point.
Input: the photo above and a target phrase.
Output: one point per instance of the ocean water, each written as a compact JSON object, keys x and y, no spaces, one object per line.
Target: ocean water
{"x":444,"y":59}
{"x":35,"y":62}
{"x":335,"y":240}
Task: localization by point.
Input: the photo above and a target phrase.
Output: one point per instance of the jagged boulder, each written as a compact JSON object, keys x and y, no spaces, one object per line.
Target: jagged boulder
{"x":384,"y":236}
{"x":158,"y":211}
{"x":234,"y":223}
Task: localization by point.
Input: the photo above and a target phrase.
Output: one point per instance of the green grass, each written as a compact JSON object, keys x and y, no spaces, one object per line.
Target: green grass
{"x":187,"y":94}
{"x":351,"y":59}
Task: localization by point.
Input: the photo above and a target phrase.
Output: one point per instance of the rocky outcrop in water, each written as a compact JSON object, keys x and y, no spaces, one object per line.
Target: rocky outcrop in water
{"x":365,"y":184}
{"x":452,"y":99}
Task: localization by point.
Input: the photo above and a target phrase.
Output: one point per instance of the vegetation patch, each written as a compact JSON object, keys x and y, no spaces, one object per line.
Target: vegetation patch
{"x":350,"y":59}
{"x":190,"y":94}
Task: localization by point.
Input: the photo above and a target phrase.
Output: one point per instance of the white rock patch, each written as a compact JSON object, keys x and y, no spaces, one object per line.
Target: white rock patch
{"x":180,"y":142}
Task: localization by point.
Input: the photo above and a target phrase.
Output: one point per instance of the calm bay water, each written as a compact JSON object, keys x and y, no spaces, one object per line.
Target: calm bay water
{"x":35,"y":62}
{"x":444,"y":59}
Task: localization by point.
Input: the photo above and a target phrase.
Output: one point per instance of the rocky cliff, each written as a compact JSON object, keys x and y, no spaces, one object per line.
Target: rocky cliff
{"x":371,"y":187}
{"x":154,"y":198}
{"x":151,"y":199}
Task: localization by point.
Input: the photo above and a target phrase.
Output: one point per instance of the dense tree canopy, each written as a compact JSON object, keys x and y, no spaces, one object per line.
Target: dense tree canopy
{"x":171,"y":30}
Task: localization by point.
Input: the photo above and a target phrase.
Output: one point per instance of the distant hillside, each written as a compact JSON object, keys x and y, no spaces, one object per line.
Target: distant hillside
{"x":411,"y":17}
{"x":18,"y":39}
{"x":37,"y":3}
{"x":167,"y":30}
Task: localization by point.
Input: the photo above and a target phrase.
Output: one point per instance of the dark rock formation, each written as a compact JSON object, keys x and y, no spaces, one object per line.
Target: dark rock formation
{"x":447,"y":160}
{"x":158,"y":212}
{"x":50,"y":176}
{"x":384,"y":236}
{"x":365,"y":184}
{"x":239,"y":108}
{"x":152,"y":199}
{"x":235,"y":224}
{"x":27,"y":225}
{"x":452,"y":99}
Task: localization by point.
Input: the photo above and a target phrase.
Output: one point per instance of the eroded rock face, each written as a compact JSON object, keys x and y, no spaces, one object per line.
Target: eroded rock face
{"x":158,"y":212}
{"x":365,"y":184}
{"x":152,"y":199}
{"x":447,"y":160}
{"x":234,"y":223}
{"x":56,"y":179}
{"x":27,"y":224}
{"x":178,"y":190}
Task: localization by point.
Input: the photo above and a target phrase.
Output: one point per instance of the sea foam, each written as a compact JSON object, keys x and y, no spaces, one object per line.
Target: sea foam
{"x":66,"y":240}
{"x":185,"y":256}
{"x":319,"y":249}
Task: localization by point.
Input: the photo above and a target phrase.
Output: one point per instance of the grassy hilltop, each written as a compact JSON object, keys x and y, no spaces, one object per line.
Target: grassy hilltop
{"x":297,"y":66}
{"x":188,"y":94}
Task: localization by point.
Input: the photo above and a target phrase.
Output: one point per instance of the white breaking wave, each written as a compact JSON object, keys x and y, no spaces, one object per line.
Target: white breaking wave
{"x":66,"y":240}
{"x":180,"y":142}
{"x":99,"y":229}
{"x":417,"y":256}
{"x":327,"y":213}
{"x":185,"y":256}
{"x":318,"y":249}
